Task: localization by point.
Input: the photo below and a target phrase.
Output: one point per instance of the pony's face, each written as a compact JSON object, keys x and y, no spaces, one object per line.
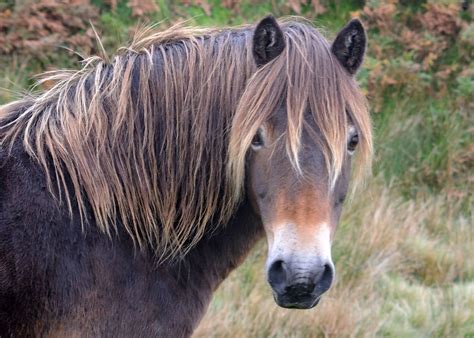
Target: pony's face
{"x":299,"y":209}
{"x":299,"y":212}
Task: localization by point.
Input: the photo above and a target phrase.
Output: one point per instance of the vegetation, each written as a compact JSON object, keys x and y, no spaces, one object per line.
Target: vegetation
{"x":404,"y":249}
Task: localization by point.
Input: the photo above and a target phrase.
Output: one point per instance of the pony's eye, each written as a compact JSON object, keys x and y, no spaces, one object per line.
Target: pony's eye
{"x":353,"y":142}
{"x":257,"y":141}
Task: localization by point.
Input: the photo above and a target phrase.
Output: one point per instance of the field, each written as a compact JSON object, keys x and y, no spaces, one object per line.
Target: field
{"x":404,"y":251}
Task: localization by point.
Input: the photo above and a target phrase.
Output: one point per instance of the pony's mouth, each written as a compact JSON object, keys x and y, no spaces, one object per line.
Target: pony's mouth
{"x":302,"y":303}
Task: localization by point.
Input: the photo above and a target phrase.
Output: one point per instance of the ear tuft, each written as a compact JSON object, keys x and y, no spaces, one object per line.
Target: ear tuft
{"x":349,"y":46}
{"x":268,"y":41}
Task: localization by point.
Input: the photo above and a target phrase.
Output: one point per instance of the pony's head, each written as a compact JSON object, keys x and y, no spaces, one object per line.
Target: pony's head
{"x":299,"y":124}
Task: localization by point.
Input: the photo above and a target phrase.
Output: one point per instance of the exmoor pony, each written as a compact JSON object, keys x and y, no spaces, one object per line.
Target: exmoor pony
{"x":132,"y":187}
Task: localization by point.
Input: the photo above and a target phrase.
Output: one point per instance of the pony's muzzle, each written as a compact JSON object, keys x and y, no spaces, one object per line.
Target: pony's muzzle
{"x":297,"y":285}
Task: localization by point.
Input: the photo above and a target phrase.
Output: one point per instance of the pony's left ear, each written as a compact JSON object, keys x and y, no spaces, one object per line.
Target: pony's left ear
{"x":268,"y":41}
{"x":349,"y":46}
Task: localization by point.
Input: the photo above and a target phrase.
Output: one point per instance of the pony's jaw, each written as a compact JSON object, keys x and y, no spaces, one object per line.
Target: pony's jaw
{"x":299,"y":265}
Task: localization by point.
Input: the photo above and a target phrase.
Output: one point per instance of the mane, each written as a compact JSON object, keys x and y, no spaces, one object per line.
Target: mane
{"x":156,"y":139}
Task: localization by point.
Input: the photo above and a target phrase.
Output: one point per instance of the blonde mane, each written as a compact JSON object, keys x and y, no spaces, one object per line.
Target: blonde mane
{"x":156,"y":139}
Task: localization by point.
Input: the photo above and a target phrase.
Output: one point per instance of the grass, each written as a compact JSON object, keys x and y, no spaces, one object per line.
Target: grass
{"x":405,"y":246}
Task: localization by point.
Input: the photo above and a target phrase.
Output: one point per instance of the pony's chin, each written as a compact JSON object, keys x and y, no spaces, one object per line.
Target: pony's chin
{"x":299,"y":304}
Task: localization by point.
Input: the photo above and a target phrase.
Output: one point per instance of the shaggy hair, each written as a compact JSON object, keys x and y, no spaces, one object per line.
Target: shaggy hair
{"x":156,"y":140}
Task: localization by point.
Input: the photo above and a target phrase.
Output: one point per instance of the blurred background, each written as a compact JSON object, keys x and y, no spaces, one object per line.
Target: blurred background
{"x":404,"y":251}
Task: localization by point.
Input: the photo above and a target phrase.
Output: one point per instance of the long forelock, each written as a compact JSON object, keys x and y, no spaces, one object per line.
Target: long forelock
{"x":306,"y":77}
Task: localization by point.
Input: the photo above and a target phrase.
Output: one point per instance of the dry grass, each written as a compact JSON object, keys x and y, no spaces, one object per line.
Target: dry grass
{"x":402,"y":270}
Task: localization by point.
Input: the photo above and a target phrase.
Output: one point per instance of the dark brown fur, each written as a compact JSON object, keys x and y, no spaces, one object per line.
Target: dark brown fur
{"x":56,"y":280}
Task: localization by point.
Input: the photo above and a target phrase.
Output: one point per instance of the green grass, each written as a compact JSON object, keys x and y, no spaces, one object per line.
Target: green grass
{"x":405,"y":246}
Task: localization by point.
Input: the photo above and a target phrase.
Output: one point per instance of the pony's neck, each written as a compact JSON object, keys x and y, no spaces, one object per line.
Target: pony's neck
{"x":218,"y":254}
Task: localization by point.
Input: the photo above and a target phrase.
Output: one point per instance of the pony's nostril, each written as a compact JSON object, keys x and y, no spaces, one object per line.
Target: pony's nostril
{"x":325,"y":279}
{"x":277,"y":274}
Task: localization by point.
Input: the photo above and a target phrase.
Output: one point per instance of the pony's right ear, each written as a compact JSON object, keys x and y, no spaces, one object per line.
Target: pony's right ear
{"x":268,"y":41}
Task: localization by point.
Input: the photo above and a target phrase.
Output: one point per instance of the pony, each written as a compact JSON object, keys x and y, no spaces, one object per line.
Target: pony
{"x":132,"y":187}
